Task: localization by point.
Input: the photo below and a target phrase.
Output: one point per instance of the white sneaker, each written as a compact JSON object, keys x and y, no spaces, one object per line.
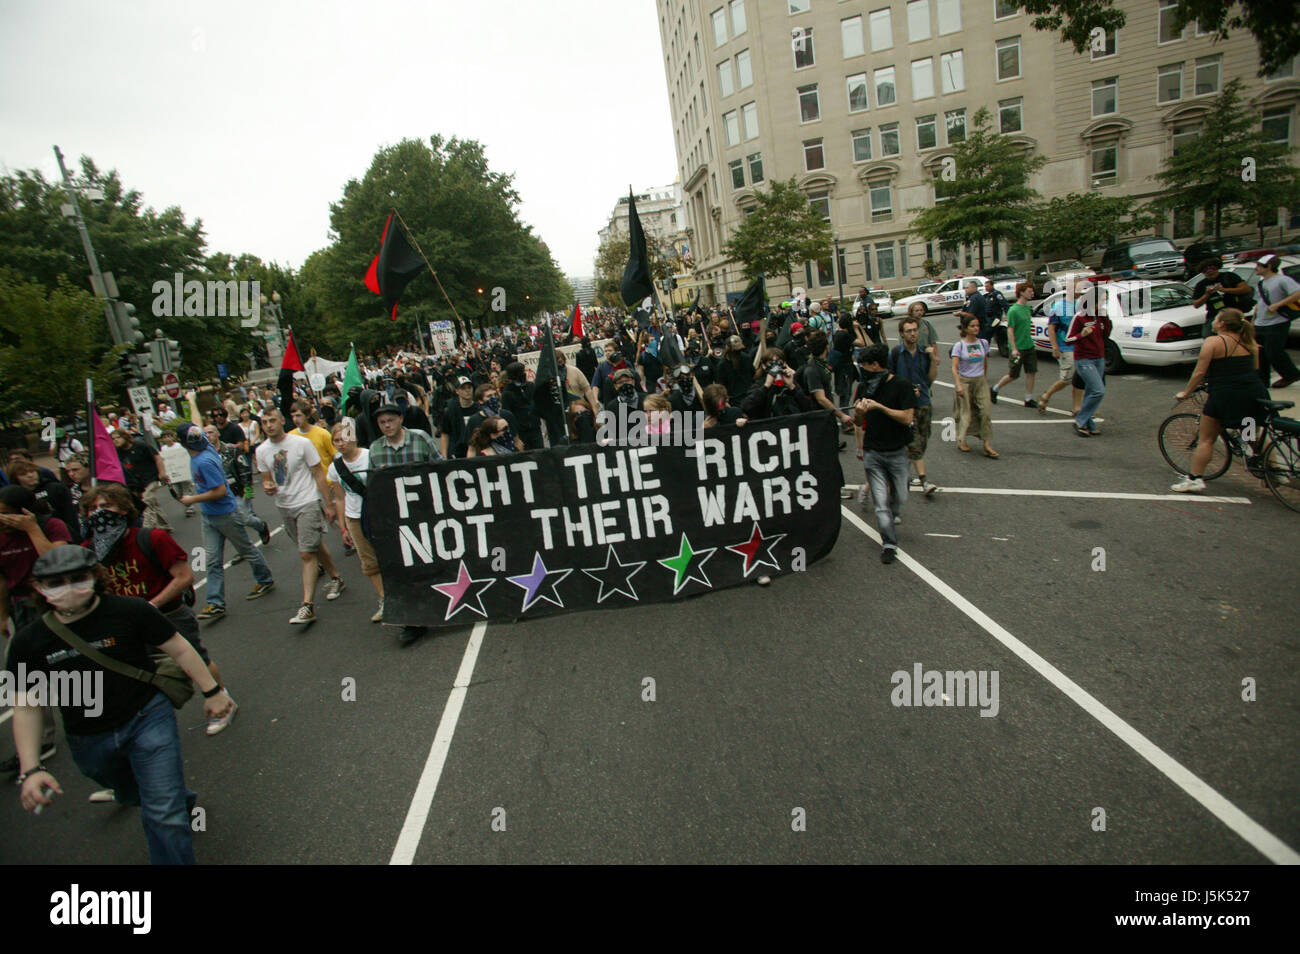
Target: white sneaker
{"x":219,"y":725}
{"x":103,"y":795}
{"x":862,"y":495}
{"x":334,"y":587}
{"x":915,"y":482}
{"x":379,"y":613}
{"x":930,"y":489}
{"x":306,"y":614}
{"x":1187,"y":485}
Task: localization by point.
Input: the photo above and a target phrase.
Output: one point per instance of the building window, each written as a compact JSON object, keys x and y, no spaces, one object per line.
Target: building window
{"x":719,"y":26}
{"x":1277,"y":124}
{"x":1108,"y":48}
{"x":1208,"y":70}
{"x":810,"y":109}
{"x":800,"y":6}
{"x":737,"y":17}
{"x":803,"y":47}
{"x":1169,"y":83}
{"x":1184,"y":222}
{"x":1168,"y":14}
{"x":886,"y":90}
{"x":732,"y":127}
{"x":857,"y":85}
{"x":1105,"y":165}
{"x":1285,"y":71}
{"x":813,"y":156}
{"x":949,"y":16}
{"x":724,"y":78}
{"x":824,"y":274}
{"x":866,"y":263}
{"x":744,"y":74}
{"x":861,"y":145}
{"x":737,"y":168}
{"x":1105,"y":96}
{"x":708,"y":139}
{"x":882,"y":31}
{"x":841,"y":268}
{"x":851,"y":37}
{"x":1015,"y":253}
{"x":952,"y":72}
{"x":1184,"y":135}
{"x":820,"y":203}
{"x":1005,"y":8}
{"x":749,"y":113}
{"x":882,"y":203}
{"x":755,"y":167}
{"x":1008,"y":58}
{"x":885,"y":260}
{"x":955,"y":122}
{"x":889,"y":145}
{"x":1009,"y":115}
{"x":923,"y":78}
{"x":918,"y":20}
{"x":927,"y":132}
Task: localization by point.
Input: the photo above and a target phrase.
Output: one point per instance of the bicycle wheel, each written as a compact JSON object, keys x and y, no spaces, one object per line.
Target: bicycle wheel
{"x":1177,"y":440}
{"x":1282,"y":469}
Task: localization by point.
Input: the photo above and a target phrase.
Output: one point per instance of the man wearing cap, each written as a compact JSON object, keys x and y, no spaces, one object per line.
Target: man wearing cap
{"x":222,"y":521}
{"x":404,"y":445}
{"x":455,"y":430}
{"x":122,"y":731}
{"x":1278,"y":295}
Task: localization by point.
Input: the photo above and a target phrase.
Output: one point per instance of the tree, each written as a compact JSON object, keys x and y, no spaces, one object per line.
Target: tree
{"x":1232,"y":170}
{"x":781,"y":232}
{"x":464,"y":218}
{"x":1074,"y":222}
{"x":49,"y":344}
{"x":611,"y":260}
{"x":1275,"y":24}
{"x":984,"y":193}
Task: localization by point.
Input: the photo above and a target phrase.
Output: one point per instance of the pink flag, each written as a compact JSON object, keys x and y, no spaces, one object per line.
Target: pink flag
{"x":107,"y":466}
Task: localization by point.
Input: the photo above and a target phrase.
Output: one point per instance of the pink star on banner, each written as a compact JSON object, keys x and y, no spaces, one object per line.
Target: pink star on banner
{"x":465,"y":592}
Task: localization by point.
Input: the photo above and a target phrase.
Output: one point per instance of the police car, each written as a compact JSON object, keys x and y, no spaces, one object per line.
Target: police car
{"x":949,"y":296}
{"x":1152,"y":322}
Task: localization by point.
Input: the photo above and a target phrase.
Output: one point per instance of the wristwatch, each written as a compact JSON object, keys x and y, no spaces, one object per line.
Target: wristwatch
{"x":23,"y":777}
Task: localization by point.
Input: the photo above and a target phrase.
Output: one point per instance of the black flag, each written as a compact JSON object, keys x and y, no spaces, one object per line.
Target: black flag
{"x":753,"y":304}
{"x":636,"y":276}
{"x":394,"y":267}
{"x":548,"y":398}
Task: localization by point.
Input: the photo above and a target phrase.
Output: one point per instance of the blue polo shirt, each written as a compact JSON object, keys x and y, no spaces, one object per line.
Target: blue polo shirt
{"x":208,"y":474}
{"x":914,"y":369}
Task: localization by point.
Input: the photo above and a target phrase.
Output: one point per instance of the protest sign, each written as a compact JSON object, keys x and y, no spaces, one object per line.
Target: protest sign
{"x":589,"y":527}
{"x":529,"y":359}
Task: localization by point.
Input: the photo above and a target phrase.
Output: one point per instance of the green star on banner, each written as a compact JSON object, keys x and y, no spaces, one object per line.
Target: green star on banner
{"x":688,"y":565}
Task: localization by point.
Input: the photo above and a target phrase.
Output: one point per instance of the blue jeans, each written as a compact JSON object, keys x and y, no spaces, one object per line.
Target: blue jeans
{"x":216,"y":531}
{"x":250,"y":518}
{"x":1092,"y":370}
{"x":142,"y":763}
{"x":886,"y":471}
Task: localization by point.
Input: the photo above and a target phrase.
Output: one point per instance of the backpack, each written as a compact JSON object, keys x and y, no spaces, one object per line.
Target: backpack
{"x":145,"y":544}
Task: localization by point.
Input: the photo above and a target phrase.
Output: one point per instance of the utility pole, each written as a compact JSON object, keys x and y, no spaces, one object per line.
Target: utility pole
{"x":101,"y":289}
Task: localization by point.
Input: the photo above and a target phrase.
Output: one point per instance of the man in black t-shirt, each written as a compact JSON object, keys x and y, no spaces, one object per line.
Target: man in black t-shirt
{"x":815,"y":377}
{"x":884,"y":411}
{"x":145,"y":474}
{"x":1216,"y":290}
{"x":455,"y":431}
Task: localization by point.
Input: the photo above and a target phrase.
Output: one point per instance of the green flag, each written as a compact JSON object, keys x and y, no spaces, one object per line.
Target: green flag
{"x":352,"y":373}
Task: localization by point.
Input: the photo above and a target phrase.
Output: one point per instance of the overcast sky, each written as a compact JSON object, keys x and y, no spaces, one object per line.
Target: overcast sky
{"x":252,"y":116}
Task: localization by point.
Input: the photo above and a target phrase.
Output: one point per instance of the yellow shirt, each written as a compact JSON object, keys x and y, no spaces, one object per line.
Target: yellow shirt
{"x":323,"y":442}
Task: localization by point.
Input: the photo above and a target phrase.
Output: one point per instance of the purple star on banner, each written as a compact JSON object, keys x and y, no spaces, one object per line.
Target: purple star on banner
{"x":465,"y":592}
{"x":757,"y":550}
{"x":538,"y":580}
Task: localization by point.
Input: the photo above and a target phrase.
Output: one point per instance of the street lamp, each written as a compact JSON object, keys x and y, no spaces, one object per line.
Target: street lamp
{"x":839,"y":272}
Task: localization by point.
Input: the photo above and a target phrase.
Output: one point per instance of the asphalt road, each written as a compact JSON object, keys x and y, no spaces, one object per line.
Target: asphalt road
{"x":1118,"y":689}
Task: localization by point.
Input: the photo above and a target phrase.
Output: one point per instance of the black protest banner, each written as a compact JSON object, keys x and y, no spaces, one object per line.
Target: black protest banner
{"x":601,"y":527}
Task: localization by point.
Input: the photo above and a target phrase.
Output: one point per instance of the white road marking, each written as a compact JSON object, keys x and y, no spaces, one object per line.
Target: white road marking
{"x":198,"y":584}
{"x":418,"y":814}
{"x":6,"y":716}
{"x":1091,"y":495}
{"x":1003,"y":539}
{"x":1043,"y":420}
{"x":1254,"y":834}
{"x":950,"y":536}
{"x":1012,"y":402}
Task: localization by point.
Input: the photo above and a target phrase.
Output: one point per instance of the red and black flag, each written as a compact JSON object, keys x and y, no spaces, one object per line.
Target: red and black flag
{"x":575,"y":323}
{"x":637,"y":285}
{"x":288,"y":366}
{"x":394,"y":267}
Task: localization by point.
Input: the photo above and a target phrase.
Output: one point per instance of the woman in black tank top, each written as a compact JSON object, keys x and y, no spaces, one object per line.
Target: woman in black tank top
{"x":1229,"y":363}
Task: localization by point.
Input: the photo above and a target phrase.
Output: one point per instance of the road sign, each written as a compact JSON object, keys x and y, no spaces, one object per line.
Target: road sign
{"x":140,"y":399}
{"x":173,"y":384}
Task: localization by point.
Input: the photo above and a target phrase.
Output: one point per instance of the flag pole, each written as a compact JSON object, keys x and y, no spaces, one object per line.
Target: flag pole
{"x":420,"y":252}
{"x":90,"y":427}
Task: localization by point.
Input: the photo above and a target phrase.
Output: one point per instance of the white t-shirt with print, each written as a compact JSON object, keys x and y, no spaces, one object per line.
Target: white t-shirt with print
{"x":289,"y":462}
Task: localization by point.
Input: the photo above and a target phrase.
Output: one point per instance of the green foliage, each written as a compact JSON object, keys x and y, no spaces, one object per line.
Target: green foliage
{"x":1273,"y":23}
{"x":49,"y":344}
{"x":988,"y":197}
{"x":783,"y":231}
{"x":463,"y":217}
{"x":1074,"y":222}
{"x":611,"y":260}
{"x":1209,"y":174}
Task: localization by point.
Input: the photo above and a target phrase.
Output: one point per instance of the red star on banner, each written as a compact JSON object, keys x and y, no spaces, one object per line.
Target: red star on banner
{"x":758,"y":544}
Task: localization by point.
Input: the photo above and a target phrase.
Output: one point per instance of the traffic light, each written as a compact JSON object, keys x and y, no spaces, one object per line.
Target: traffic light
{"x":126,"y":326}
{"x":144,"y":366}
{"x":125,"y":365}
{"x":173,"y":355}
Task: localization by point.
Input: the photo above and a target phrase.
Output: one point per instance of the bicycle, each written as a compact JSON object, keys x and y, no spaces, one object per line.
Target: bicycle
{"x":1278,"y":466}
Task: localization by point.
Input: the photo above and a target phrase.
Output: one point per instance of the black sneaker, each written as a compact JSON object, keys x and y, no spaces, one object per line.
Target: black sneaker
{"x":993,"y":393}
{"x":265,"y":535}
{"x":411,"y":635}
{"x":888,"y":555}
{"x":1030,"y":402}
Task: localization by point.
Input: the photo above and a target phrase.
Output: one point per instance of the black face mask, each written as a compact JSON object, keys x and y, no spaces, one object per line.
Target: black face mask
{"x":871,"y":380}
{"x":627,"y":392}
{"x":106,"y":528}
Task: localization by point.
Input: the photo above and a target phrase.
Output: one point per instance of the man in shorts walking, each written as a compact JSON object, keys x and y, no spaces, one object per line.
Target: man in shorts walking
{"x":1058,"y":325}
{"x":292,"y":473}
{"x":1023,"y":355}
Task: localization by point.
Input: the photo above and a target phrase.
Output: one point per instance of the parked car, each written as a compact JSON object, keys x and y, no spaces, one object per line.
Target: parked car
{"x":1051,"y":277}
{"x":883,"y":299}
{"x":1005,"y":279}
{"x":1225,"y":249}
{"x":948,"y":296}
{"x":1152,"y":257}
{"x":1153,"y":323}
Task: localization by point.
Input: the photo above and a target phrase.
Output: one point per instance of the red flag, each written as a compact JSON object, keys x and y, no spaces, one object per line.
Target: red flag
{"x":288,"y":366}
{"x":576,"y":328}
{"x":107,"y":464}
{"x":291,"y":360}
{"x":394,"y":267}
